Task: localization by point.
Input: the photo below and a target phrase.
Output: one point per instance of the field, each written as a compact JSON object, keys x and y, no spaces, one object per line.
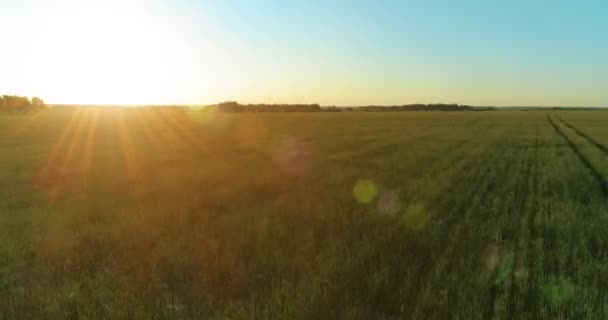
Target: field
{"x":122,"y":213}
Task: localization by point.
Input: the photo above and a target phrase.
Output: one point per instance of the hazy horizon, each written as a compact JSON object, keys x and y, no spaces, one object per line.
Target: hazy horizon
{"x":297,"y":103}
{"x":367,"y":53}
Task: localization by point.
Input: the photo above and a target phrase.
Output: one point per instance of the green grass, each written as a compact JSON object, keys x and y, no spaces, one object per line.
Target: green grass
{"x":140,"y":214}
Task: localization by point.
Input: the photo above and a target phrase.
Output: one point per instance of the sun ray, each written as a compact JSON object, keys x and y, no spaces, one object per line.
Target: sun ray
{"x":184,"y":129}
{"x":77,"y":137}
{"x":66,"y":164}
{"x":135,"y":174}
{"x":45,"y":177}
{"x":90,"y":147}
{"x":158,"y":140}
{"x":24,"y":126}
{"x":167,"y":131}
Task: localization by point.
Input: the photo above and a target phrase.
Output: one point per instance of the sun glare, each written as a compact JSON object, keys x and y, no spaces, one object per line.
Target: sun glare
{"x":112,"y":53}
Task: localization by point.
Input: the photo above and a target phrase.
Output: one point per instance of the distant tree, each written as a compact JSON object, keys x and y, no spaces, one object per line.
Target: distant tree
{"x":229,"y":106}
{"x":37,"y":103}
{"x":17,"y":104}
{"x":234,"y":107}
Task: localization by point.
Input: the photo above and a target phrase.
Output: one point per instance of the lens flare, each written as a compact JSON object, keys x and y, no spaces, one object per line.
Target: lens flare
{"x":365,"y":191}
{"x":416,"y":217}
{"x":292,"y":157}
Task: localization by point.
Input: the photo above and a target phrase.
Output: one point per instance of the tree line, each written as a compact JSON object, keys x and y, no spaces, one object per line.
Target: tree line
{"x":18,"y":104}
{"x":413,"y":107}
{"x":235,"y":107}
{"x":232,"y":106}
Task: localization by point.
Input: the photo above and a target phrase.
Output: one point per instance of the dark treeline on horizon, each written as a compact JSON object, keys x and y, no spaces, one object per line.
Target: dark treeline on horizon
{"x":232,"y":106}
{"x":18,"y":104}
{"x":422,"y":107}
{"x":236,"y":107}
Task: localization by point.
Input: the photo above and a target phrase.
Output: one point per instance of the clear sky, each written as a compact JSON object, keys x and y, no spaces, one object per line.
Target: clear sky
{"x":311,"y":51}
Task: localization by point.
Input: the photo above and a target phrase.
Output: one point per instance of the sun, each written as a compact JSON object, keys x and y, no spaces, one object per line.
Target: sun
{"x":114,"y":52}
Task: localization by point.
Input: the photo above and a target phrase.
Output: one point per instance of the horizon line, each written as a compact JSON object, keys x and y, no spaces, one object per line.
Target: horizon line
{"x":133,"y":105}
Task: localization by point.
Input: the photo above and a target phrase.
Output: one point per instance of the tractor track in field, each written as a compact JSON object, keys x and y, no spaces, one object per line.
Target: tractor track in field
{"x":455,"y":225}
{"x":418,"y":293}
{"x":521,"y":199}
{"x":494,"y":292}
{"x":532,"y":296}
{"x":603,"y":185}
{"x":582,"y":134}
{"x":570,"y":263}
{"x":447,"y":254}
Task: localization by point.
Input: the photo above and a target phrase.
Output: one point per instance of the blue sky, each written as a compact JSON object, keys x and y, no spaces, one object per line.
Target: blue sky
{"x":385,"y":52}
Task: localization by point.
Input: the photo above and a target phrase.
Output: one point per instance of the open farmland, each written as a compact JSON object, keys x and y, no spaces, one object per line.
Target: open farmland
{"x":142,"y":213}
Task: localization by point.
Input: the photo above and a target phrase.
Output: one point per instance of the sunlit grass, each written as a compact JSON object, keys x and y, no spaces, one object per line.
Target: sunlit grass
{"x":137,"y":212}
